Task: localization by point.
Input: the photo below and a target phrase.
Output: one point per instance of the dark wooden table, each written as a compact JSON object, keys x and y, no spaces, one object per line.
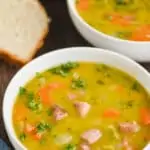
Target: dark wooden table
{"x":62,"y":34}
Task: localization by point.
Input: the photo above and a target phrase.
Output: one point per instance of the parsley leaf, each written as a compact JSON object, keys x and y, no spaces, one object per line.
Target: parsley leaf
{"x":42,"y":126}
{"x":38,"y":75}
{"x":30,"y":95}
{"x":123,"y":2}
{"x":22,"y":136}
{"x":70,"y":147}
{"x":78,"y":83}
{"x":101,"y":68}
{"x":70,"y":65}
{"x":49,"y":112}
{"x":100,"y":82}
{"x":33,"y":105}
{"x":135,"y":86}
{"x":22,"y":91}
{"x":64,"y":69}
{"x":127,"y":104}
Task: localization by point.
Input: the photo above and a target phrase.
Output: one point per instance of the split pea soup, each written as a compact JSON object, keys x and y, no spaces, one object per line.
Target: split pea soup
{"x":82,"y":106}
{"x":125,"y":19}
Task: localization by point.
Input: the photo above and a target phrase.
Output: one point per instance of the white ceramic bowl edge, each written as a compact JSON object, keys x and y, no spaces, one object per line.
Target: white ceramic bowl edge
{"x":61,"y":56}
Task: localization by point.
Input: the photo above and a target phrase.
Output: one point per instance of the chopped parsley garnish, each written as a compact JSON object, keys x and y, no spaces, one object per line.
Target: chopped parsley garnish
{"x":101,"y":68}
{"x":42,"y":141}
{"x":22,"y":136}
{"x":49,"y":112}
{"x":42,"y":126}
{"x":135,"y":86}
{"x":64,"y":69}
{"x":123,"y":2}
{"x":59,"y":71}
{"x":127,"y":105}
{"x":22,"y":91}
{"x":70,"y":65}
{"x":104,"y":69}
{"x":70,"y":147}
{"x":33,"y":105}
{"x":78,"y":83}
{"x":30,"y":95}
{"x":100,"y":82}
{"x":38,"y":75}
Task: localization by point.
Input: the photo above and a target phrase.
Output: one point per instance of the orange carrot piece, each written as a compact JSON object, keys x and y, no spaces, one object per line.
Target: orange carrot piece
{"x":145,"y":116}
{"x":141,"y":34}
{"x":117,"y":88}
{"x":111,"y":113}
{"x":37,"y":136}
{"x":120,"y":20}
{"x":45,"y":92}
{"x":83,"y":4}
{"x":31,"y":129}
{"x":120,"y":88}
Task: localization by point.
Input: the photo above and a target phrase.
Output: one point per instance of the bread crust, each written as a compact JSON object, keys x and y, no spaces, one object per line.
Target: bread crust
{"x":14,"y":58}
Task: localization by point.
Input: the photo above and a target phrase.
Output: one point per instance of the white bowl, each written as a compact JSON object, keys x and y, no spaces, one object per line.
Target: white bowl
{"x":139,"y":51}
{"x":61,"y":56}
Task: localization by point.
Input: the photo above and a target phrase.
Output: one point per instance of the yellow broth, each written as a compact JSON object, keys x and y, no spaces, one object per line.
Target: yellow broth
{"x":125,"y":19}
{"x":102,"y":87}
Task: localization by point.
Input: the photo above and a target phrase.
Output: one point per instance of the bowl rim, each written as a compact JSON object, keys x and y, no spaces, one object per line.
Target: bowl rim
{"x":71,"y":6}
{"x":8,"y":127}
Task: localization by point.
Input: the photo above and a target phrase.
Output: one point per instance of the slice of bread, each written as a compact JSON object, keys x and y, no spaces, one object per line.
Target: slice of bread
{"x":23,"y":26}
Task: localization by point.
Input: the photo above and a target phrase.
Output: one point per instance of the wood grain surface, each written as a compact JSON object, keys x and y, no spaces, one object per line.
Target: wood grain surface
{"x":62,"y":34}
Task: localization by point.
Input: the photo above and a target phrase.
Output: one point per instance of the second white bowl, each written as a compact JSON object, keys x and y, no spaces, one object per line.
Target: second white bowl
{"x":139,"y":51}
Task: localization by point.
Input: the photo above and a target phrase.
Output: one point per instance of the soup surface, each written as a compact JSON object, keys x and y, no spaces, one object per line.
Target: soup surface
{"x":82,"y":106}
{"x":125,"y":19}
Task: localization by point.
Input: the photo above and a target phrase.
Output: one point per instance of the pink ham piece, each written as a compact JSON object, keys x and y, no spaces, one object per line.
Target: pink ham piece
{"x":129,"y":127}
{"x":91,"y":136}
{"x":82,"y":107}
{"x":71,"y":96}
{"x":59,"y":113}
{"x":84,"y":146}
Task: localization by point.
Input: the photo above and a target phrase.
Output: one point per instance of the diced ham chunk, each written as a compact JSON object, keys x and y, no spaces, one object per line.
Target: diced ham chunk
{"x":59,"y":113}
{"x":129,"y":127}
{"x":71,"y":96}
{"x":84,"y":146}
{"x":91,"y":136}
{"x":82,"y":107}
